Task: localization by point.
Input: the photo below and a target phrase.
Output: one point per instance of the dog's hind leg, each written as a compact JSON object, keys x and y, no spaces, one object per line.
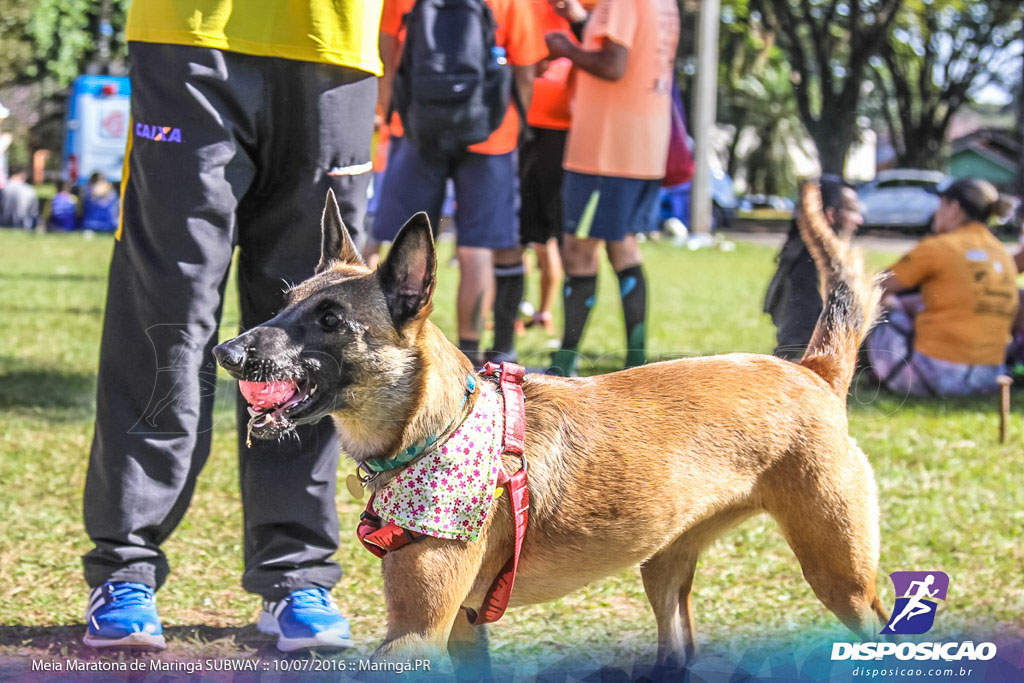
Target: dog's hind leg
{"x":828,"y":512}
{"x":668,"y":578}
{"x":468,"y":648}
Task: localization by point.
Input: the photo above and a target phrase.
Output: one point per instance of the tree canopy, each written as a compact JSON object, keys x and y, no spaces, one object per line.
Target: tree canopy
{"x":829,"y":44}
{"x":816,"y":61}
{"x":46,"y":44}
{"x":939,"y":54}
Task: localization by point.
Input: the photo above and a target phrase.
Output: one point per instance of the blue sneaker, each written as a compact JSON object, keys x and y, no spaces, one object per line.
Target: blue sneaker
{"x":123,"y":614}
{"x":306,"y":618}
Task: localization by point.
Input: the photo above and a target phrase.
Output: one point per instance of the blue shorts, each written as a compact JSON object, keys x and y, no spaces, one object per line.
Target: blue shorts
{"x":485,"y":195}
{"x":606,"y":207}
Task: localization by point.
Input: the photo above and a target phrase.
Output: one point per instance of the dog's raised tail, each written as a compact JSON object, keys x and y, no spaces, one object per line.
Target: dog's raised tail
{"x":851,"y":297}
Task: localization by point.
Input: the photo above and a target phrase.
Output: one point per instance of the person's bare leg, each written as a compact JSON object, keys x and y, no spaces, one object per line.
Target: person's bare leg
{"x":550,"y":264}
{"x":475,"y":296}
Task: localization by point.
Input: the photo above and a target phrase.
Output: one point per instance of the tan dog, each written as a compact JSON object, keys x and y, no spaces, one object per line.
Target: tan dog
{"x":645,"y":466}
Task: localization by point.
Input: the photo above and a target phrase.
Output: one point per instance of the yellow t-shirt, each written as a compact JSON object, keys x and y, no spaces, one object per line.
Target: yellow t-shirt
{"x":342,"y":32}
{"x":968,"y":283}
{"x":621,"y":128}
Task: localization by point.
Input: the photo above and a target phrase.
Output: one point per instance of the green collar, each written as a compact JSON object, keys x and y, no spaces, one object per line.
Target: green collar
{"x":407,"y":455}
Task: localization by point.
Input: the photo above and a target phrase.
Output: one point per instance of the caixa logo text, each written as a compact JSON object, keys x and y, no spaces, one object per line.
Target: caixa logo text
{"x":157,"y":133}
{"x":947,"y":652}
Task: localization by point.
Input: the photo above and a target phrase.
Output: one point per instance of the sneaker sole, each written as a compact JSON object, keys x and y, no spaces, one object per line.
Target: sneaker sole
{"x":319,"y":641}
{"x":267,"y":624}
{"x":136,"y":640}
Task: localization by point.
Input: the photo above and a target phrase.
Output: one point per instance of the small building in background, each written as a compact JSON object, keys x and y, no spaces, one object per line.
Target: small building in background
{"x":989,"y":153}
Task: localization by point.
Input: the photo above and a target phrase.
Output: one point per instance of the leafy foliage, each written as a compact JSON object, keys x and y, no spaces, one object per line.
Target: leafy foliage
{"x":46,"y":44}
{"x":14,"y":45}
{"x":829,"y":44}
{"x":756,"y":97}
{"x":64,"y":34}
{"x":939,"y":54}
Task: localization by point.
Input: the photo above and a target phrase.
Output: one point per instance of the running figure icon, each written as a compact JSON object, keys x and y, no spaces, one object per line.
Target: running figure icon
{"x":916,"y":605}
{"x":918,"y":594}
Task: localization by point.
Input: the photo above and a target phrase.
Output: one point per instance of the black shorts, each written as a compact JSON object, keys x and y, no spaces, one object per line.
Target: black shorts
{"x":540,"y":186}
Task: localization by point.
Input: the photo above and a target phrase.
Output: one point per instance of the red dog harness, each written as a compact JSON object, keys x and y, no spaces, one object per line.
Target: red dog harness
{"x":380,"y":538}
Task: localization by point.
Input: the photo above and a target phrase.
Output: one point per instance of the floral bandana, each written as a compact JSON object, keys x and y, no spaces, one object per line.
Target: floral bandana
{"x":448,"y":492}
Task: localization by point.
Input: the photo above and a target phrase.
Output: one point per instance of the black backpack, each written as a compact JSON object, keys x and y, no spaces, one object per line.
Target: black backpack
{"x":453,"y":83}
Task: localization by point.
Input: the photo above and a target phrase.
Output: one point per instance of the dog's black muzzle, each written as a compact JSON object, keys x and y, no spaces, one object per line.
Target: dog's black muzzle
{"x":231,"y":356}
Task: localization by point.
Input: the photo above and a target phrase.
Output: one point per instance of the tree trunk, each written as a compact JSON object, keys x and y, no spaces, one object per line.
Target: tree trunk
{"x":922,"y":148}
{"x":733,"y":162}
{"x":833,"y":142}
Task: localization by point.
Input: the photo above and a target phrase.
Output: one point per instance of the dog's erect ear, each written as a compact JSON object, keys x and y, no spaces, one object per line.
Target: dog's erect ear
{"x":408,"y":275}
{"x":336,"y":244}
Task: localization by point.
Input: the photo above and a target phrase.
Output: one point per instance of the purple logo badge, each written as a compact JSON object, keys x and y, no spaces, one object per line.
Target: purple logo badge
{"x":917,"y":596}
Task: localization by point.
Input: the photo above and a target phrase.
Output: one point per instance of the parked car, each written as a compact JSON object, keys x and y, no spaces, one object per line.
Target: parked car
{"x":675,"y":201}
{"x":771,"y":202}
{"x":902,"y":199}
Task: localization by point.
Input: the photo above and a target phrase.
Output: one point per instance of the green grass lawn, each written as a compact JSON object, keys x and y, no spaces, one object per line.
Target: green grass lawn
{"x":951,"y":495}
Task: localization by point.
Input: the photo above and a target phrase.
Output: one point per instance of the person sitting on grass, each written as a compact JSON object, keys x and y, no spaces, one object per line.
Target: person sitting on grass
{"x":63,"y":209}
{"x":19,"y":204}
{"x":793,"y":299}
{"x":100,"y":205}
{"x":952,"y":301}
{"x":1015,"y":352}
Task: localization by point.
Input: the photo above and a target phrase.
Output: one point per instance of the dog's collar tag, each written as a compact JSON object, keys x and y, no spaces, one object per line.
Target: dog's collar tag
{"x":355,"y":486}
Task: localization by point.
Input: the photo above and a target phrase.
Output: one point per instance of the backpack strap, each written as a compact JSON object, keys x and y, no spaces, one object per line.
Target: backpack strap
{"x":525,"y":134}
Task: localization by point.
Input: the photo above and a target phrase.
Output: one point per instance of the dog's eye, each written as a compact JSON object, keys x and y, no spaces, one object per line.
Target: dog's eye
{"x":329,"y":321}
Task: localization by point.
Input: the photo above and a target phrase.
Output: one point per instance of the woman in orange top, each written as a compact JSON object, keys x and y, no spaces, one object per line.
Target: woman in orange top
{"x":951,"y":339}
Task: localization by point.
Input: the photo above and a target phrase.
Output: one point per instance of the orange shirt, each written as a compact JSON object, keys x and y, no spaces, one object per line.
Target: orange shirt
{"x":968,"y":283}
{"x":552,"y":93}
{"x":518,"y":32}
{"x":621,"y":128}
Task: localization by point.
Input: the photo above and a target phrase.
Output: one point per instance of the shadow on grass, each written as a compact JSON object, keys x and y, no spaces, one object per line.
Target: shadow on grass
{"x":61,"y":396}
{"x":66,"y":641}
{"x":94,"y":312}
{"x":33,"y":386}
{"x":54,"y":277}
{"x":867,"y":394}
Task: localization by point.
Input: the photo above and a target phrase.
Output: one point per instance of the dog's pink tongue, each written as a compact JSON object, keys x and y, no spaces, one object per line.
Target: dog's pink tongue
{"x":268,"y":395}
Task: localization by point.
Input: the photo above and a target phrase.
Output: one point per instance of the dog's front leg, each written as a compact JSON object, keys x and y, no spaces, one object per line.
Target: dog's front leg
{"x":468,"y":648}
{"x":425,"y":584}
